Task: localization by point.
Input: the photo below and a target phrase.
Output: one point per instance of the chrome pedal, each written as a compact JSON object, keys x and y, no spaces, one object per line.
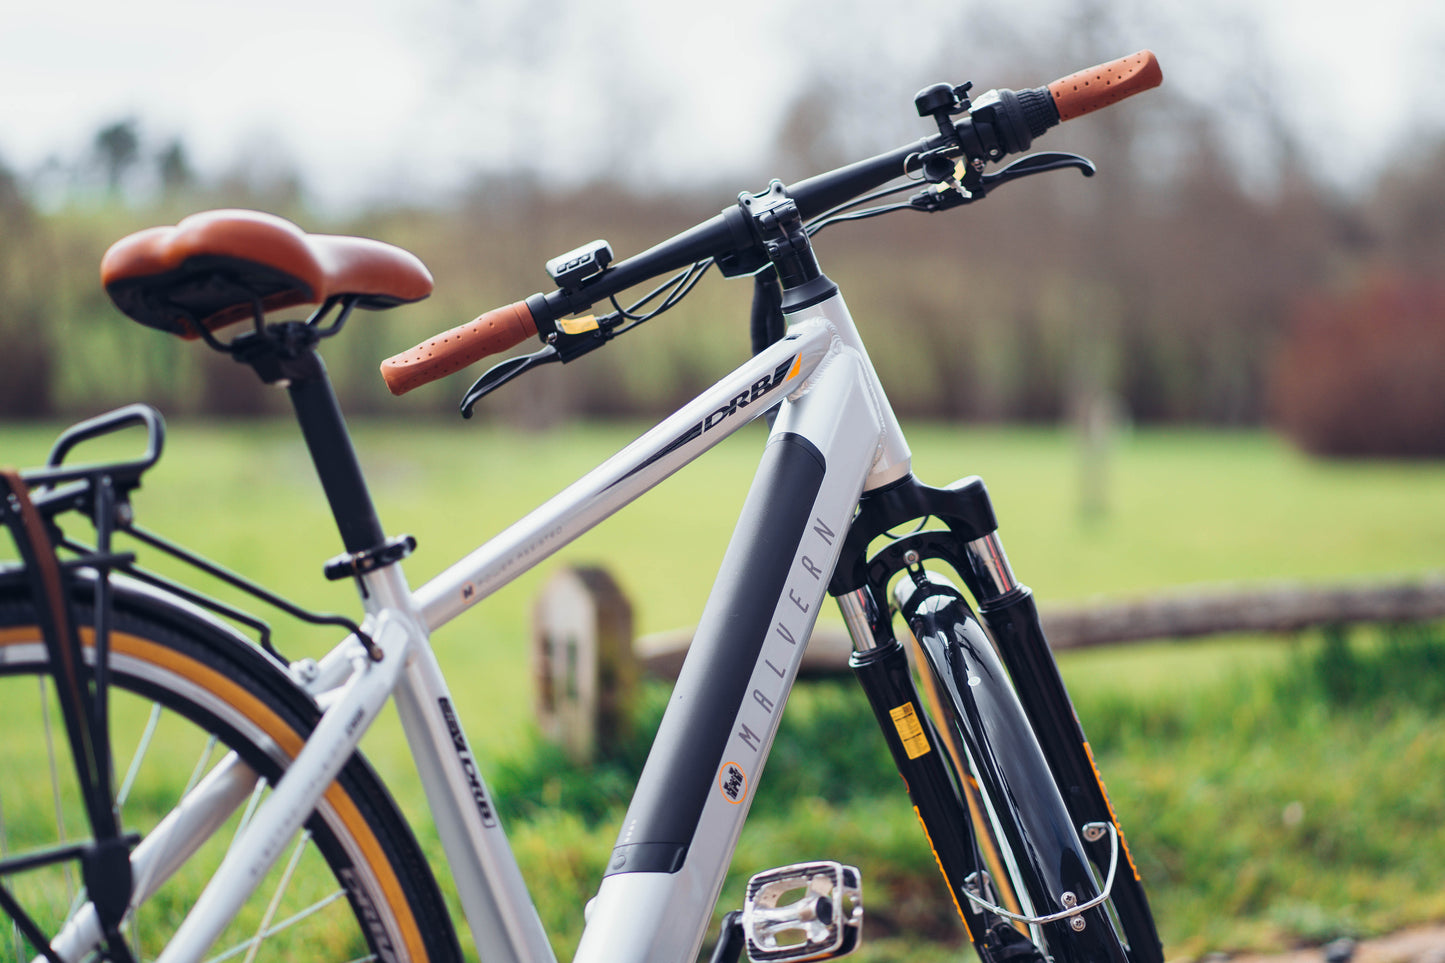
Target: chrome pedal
{"x":807,"y":911}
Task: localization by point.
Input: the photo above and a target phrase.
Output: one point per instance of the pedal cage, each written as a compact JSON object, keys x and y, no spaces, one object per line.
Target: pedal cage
{"x":806,"y":911}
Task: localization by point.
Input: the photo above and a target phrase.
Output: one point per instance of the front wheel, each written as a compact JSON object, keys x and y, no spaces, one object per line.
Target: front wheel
{"x":200,"y":715}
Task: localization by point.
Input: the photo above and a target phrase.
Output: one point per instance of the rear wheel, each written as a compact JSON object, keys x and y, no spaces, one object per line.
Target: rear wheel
{"x":196,"y":713}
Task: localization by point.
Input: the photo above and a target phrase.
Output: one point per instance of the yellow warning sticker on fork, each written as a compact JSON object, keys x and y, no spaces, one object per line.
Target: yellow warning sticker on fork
{"x":910,"y":730}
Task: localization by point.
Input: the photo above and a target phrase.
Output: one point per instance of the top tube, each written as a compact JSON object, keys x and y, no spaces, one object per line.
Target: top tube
{"x":757,"y":386}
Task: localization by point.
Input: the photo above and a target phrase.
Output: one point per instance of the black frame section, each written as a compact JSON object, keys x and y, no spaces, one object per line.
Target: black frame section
{"x":286,"y":354}
{"x":667,"y":804}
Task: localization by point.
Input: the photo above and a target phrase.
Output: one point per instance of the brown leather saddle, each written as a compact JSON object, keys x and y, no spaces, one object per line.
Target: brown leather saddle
{"x":217,"y":268}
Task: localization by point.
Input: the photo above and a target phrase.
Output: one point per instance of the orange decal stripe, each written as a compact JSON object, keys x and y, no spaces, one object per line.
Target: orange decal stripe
{"x":1123,"y":844}
{"x":939,"y":861}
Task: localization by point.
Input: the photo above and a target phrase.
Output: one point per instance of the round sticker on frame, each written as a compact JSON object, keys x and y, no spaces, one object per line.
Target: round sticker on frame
{"x":733,"y":782}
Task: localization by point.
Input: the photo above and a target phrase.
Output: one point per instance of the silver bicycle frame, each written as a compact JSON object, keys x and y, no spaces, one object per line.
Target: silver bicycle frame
{"x":834,"y":437}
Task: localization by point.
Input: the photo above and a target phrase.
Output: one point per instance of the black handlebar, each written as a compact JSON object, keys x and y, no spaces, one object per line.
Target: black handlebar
{"x":1004,"y":124}
{"x":950,"y":164}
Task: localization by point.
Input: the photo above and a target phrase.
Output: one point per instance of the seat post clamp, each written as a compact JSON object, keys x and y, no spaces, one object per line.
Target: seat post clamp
{"x":356,"y":564}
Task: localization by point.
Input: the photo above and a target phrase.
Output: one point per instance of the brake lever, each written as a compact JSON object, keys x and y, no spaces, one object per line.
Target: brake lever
{"x":1049,"y":160}
{"x":503,"y":372}
{"x":944,"y":194}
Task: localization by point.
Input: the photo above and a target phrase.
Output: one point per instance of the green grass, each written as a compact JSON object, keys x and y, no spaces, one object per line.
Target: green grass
{"x":1261,"y":814}
{"x":1294,"y":805}
{"x":1183,"y":506}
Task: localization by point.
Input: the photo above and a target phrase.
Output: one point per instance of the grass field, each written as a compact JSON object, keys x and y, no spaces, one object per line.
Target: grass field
{"x":1266,"y":806}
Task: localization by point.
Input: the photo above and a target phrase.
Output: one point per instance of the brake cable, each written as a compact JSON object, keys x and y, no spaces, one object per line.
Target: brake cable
{"x":681,"y":285}
{"x":836,"y":214}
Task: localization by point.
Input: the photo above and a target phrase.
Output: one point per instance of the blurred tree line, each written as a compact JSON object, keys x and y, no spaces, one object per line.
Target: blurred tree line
{"x":1178,"y":285}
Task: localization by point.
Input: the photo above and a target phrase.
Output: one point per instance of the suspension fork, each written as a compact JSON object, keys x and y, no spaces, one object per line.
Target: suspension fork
{"x":970,"y":545}
{"x":881,"y":665}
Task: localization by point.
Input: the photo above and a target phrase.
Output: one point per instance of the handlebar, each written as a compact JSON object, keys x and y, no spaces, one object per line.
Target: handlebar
{"x":999,"y":123}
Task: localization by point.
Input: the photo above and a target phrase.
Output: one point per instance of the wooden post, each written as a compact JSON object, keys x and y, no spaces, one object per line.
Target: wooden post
{"x":586,"y":675}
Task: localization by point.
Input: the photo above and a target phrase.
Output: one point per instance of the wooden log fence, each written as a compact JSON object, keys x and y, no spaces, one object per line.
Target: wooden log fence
{"x":586,"y":660}
{"x":1268,"y":609}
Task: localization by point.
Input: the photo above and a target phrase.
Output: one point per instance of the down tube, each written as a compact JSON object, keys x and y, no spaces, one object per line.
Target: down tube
{"x":677,"y":839}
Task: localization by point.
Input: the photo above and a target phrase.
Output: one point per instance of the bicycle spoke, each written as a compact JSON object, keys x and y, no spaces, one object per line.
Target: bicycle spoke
{"x":281,"y":885}
{"x":181,"y":783}
{"x":201,"y":765}
{"x":251,"y":806}
{"x":152,"y":870}
{"x":287,"y":923}
{"x":75,"y":904}
{"x":138,"y":756}
{"x":62,"y":836}
{"x":26,"y":927}
{"x":266,"y":930}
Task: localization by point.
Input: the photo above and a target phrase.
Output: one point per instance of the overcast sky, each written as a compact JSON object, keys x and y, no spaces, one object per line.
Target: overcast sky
{"x":368,"y":97}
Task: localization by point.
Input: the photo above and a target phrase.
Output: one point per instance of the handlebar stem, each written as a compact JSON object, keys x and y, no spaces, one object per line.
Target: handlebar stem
{"x":779,"y":226}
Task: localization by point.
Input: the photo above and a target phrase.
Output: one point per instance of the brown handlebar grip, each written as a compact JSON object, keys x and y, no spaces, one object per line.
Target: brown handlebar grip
{"x":1089,"y":90}
{"x":453,"y":350}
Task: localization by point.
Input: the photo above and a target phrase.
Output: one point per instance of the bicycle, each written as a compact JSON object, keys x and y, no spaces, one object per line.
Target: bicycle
{"x":280,"y":834}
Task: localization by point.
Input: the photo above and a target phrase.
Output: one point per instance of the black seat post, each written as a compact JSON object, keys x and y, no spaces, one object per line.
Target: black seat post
{"x":285,"y":354}
{"x":329,"y":441}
